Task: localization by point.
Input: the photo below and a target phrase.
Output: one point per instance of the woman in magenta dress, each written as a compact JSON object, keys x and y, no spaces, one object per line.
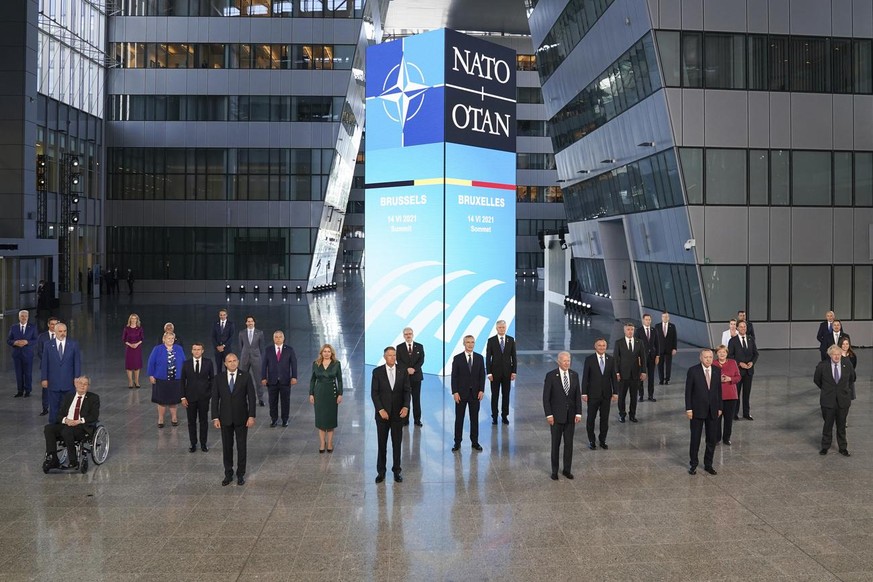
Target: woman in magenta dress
{"x":132,"y":338}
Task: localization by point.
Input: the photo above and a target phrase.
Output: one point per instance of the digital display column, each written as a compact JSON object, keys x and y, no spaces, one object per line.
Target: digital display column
{"x":440,"y":193}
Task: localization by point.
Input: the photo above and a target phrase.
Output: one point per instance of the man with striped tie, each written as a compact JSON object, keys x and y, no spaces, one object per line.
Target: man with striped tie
{"x":562,"y":403}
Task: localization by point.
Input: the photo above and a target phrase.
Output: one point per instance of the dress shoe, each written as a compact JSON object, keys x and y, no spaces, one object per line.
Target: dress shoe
{"x":666,"y":382}
{"x":226,"y":481}
{"x":554,"y":476}
{"x":240,"y":480}
{"x":653,"y":399}
{"x":261,"y":403}
{"x":160,"y":425}
{"x":603,"y":446}
{"x":398,"y":478}
{"x":692,"y":471}
{"x":621,"y":419}
{"x":633,"y":419}
{"x":505,"y":420}
{"x":493,"y":420}
{"x":418,"y":423}
{"x":456,"y":448}
{"x":592,"y":446}
{"x":477,"y":447}
{"x":567,"y":474}
{"x":27,"y":394}
{"x":380,"y":477}
{"x":192,"y":449}
{"x":73,"y":466}
{"x":660,"y":382}
{"x":748,"y":417}
{"x":273,"y":423}
{"x":204,"y":448}
{"x":284,"y":423}
{"x":845,"y":453}
{"x":51,"y":463}
{"x":640,"y":398}
{"x":710,"y":470}
{"x":823,"y":452}
{"x":736,"y":418}
{"x":19,"y":395}
{"x":137,"y":386}
{"x":44,"y":412}
{"x":175,"y":423}
{"x":320,"y":451}
{"x":728,"y":443}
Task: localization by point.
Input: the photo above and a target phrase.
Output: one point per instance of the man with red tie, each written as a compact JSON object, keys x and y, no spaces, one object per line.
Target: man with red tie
{"x":410,"y":358}
{"x":78,"y":413}
{"x":703,"y":407}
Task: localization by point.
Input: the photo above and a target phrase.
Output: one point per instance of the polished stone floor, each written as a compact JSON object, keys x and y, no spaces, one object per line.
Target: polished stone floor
{"x":776,"y":510}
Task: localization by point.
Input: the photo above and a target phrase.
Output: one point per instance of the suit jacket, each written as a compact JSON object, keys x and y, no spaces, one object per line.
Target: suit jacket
{"x":703,"y":401}
{"x":233,"y":409}
{"x":41,"y":341}
{"x":826,"y":337}
{"x":197,"y":386}
{"x":750,"y":329}
{"x":89,"y":409}
{"x":57,"y":372}
{"x":416,"y":360}
{"x":279,"y":371}
{"x":834,"y":394}
{"x":650,"y":346}
{"x":501,"y":364}
{"x":224,"y":337}
{"x":627,"y":363}
{"x":666,"y":344}
{"x":29,"y":334}
{"x":597,"y":386}
{"x":250,"y":353}
{"x":466,"y":382}
{"x":737,"y":352}
{"x":384,"y":398}
{"x":556,"y":403}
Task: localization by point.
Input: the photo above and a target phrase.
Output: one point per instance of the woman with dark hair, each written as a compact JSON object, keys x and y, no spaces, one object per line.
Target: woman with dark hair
{"x":847,"y":352}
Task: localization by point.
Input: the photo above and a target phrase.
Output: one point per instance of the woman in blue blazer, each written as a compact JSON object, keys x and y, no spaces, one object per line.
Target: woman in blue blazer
{"x":165,"y":374}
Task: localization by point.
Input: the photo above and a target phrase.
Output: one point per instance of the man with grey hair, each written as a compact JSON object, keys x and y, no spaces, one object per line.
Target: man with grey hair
{"x":703,"y":407}
{"x":76,"y":417}
{"x":468,"y":388}
{"x":22,"y":339}
{"x":410,"y":359}
{"x":501,"y":364}
{"x":61,"y":364}
{"x":834,"y":377}
{"x":562,"y":404}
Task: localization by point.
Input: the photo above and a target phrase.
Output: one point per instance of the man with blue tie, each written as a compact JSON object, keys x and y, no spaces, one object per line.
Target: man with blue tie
{"x":61,"y":365}
{"x":599,"y":390}
{"x":834,"y":377}
{"x":233,"y":411}
{"x":223,"y":332}
{"x":278,"y":374}
{"x":468,"y":388}
{"x":22,"y":338}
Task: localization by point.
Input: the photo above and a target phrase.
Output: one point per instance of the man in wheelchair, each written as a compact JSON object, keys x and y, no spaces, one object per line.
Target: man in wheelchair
{"x":76,"y":420}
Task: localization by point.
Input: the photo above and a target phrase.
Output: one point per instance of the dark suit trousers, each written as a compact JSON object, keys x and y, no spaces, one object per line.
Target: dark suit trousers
{"x":55,"y":399}
{"x":831,"y":415}
{"x":415,"y":400}
{"x":228,"y":433}
{"x":460,"y":410}
{"x":566,"y":431}
{"x":594,"y":407}
{"x":665,"y":365}
{"x":383,"y":427}
{"x":498,"y":388}
{"x":650,"y":373}
{"x":45,"y":398}
{"x":23,"y":370}
{"x":744,"y":387}
{"x":626,"y":386}
{"x":275,"y":392}
{"x":70,"y":434}
{"x":727,"y":418}
{"x":697,"y":426}
{"x":198,"y":410}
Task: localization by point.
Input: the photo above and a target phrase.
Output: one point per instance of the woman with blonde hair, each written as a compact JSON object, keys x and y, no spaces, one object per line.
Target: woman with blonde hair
{"x":326,"y":394}
{"x":132,"y":337}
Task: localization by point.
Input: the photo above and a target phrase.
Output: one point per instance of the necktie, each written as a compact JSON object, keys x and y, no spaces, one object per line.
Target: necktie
{"x":665,"y":330}
{"x":230,"y":384}
{"x":196,"y":366}
{"x":278,"y":353}
{"x":708,"y":378}
{"x":22,"y":330}
{"x":630,"y":344}
{"x":743,"y":341}
{"x":51,"y":336}
{"x":470,"y":362}
{"x":836,"y":373}
{"x":566,"y":383}
{"x":78,"y":406}
{"x":648,"y":337}
{"x":409,"y":347}
{"x":61,"y":350}
{"x":501,"y":345}
{"x":391,"y":378}
{"x":251,"y":335}
{"x":602,"y":365}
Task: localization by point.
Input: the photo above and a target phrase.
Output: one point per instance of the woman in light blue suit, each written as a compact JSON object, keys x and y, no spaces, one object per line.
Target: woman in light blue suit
{"x":165,"y":374}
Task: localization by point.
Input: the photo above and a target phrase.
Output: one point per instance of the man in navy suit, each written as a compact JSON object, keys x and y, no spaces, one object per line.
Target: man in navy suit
{"x":646,"y":334}
{"x":197,"y":376}
{"x":468,"y":388}
{"x":667,"y":343}
{"x":562,"y":404}
{"x":834,"y":377}
{"x":278,"y":374}
{"x":703,"y":406}
{"x":223,"y":332}
{"x":410,"y":357}
{"x":390,"y":391}
{"x":233,"y":411}
{"x":48,"y":336}
{"x":61,"y":365}
{"x":22,"y":338}
{"x":598,"y":390}
{"x":743,"y":350}
{"x":630,"y":366}
{"x":825,"y":331}
{"x":502,"y":364}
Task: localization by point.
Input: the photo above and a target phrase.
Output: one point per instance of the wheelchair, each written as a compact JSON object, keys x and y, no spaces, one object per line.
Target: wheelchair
{"x":96,"y":446}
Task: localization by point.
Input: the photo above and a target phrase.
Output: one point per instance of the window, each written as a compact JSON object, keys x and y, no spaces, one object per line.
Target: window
{"x":759,"y":177}
{"x":841,"y":65}
{"x":757,"y":48}
{"x":779,"y":293}
{"x":526,"y":62}
{"x":725,"y":176}
{"x":810,"y":292}
{"x":529,"y":95}
{"x":842,"y":283}
{"x":692,"y":173}
{"x":779,"y":178}
{"x":862,"y":65}
{"x":842,"y":179}
{"x":692,"y":59}
{"x":725,"y":61}
{"x":811,"y":178}
{"x":810,"y":62}
{"x":863,"y":292}
{"x":725,"y":288}
{"x":668,"y":49}
{"x":758,"y":293}
{"x":777,"y":63}
{"x":863,"y":179}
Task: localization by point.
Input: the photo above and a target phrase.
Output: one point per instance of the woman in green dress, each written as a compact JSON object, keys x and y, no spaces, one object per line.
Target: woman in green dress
{"x":326,"y":394}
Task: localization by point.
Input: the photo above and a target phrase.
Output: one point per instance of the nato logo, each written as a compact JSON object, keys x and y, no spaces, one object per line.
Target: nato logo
{"x":405,"y":93}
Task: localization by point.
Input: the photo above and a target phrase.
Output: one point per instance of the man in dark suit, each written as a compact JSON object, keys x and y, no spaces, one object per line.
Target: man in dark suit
{"x":410,"y":357}
{"x":468,"y":388}
{"x":750,"y":329}
{"x":598,"y":390}
{"x":48,"y":336}
{"x":743,"y":350}
{"x":197,"y":377}
{"x":667,"y":342}
{"x":703,"y":406}
{"x":233,"y":411}
{"x":630,"y":361}
{"x":22,"y":338}
{"x":223,"y":332}
{"x":61,"y":364}
{"x":278,"y":374}
{"x":502,"y":364}
{"x":834,"y":377}
{"x":78,"y":412}
{"x":824,"y":337}
{"x":647,"y":336}
{"x":562,"y":404}
{"x":832,"y":337}
{"x":251,"y":348}
{"x":390,"y":390}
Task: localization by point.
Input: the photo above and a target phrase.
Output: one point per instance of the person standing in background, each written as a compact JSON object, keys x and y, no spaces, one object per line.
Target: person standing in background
{"x":834,"y":378}
{"x":46,"y":337}
{"x":133,"y":336}
{"x":730,"y":376}
{"x":743,"y":350}
{"x":410,"y":357}
{"x":278,"y":374}
{"x":667,"y":342}
{"x":61,"y":364}
{"x":468,"y":388}
{"x":501,"y":363}
{"x":326,"y":394}
{"x":197,"y":376}
{"x":165,"y":374}
{"x":22,"y":339}
{"x":630,"y":361}
{"x":223,"y":332}
{"x":825,"y":329}
{"x":647,"y":336}
{"x":251,"y":342}
{"x":599,"y":390}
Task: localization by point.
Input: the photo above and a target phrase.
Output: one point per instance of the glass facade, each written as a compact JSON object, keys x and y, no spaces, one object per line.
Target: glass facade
{"x":224,"y":108}
{"x":538,"y":194}
{"x":571,"y":26}
{"x":626,"y":82}
{"x":671,"y":287}
{"x":250,"y":8}
{"x":306,"y":57}
{"x":591,"y":275}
